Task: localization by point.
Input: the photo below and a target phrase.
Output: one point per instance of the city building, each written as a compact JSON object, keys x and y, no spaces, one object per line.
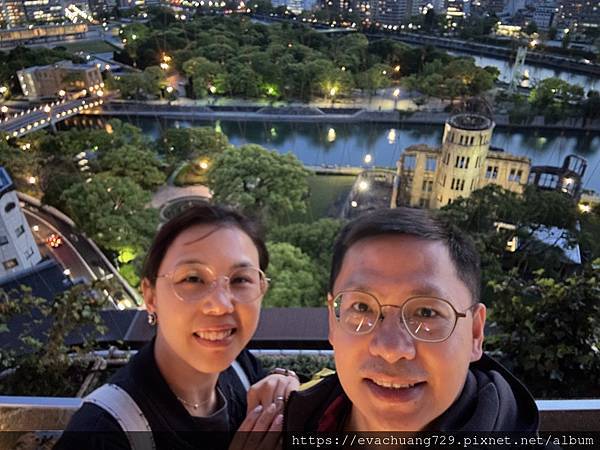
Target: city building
{"x":565,"y":179}
{"x":38,"y":34}
{"x":12,"y":13}
{"x":579,"y":13}
{"x":48,"y":81}
{"x":44,"y":10}
{"x":544,"y":14}
{"x":391,"y":12}
{"x":433,"y":177}
{"x":18,"y":249}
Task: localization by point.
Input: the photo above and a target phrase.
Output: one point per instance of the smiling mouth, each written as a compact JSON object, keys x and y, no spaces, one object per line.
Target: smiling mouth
{"x":215,"y":335}
{"x":392,"y":387}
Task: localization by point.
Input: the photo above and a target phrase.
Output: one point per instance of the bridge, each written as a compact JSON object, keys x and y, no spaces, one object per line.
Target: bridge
{"x":26,"y":121}
{"x":542,"y":59}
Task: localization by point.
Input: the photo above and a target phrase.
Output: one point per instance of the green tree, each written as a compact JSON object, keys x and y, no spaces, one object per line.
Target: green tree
{"x":42,"y":364}
{"x":203,"y":73}
{"x":192,"y":144}
{"x":112,"y":211}
{"x":316,"y":240}
{"x":260,"y":181}
{"x":548,"y":331}
{"x":139,"y":164}
{"x":294,"y":278}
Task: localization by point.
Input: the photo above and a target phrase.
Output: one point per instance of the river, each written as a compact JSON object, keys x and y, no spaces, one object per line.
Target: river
{"x":347,"y":144}
{"x":535,"y":73}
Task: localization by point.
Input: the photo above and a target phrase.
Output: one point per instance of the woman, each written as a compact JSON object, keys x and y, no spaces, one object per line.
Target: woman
{"x":203,"y":282}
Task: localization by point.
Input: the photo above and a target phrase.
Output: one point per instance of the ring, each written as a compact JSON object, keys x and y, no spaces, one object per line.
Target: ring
{"x":280,"y":398}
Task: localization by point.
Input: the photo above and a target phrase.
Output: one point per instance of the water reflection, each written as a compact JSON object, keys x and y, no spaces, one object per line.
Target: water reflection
{"x":311,"y":143}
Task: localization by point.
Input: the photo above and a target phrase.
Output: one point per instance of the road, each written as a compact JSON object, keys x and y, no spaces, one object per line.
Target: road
{"x":77,"y":253}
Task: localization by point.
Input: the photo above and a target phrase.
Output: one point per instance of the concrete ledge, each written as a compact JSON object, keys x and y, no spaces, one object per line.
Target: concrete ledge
{"x":22,"y":414}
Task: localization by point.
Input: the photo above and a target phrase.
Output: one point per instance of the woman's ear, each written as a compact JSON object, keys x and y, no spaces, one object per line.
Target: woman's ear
{"x":149,"y":294}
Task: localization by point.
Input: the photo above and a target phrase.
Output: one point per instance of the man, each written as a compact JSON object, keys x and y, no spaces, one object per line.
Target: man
{"x":407,"y":330}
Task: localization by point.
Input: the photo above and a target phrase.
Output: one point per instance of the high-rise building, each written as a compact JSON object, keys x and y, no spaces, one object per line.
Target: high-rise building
{"x":12,"y":13}
{"x":391,"y":12}
{"x":44,"y":10}
{"x":18,"y":249}
{"x":544,"y":14}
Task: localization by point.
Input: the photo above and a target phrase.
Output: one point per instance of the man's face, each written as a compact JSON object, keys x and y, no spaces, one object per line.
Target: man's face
{"x":394,"y":381}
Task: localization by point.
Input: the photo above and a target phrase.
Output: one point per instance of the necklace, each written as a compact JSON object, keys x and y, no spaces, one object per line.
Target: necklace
{"x":192,"y":405}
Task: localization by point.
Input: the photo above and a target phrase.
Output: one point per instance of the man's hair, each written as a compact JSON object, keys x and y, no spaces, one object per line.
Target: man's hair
{"x":412,"y":222}
{"x":202,"y":214}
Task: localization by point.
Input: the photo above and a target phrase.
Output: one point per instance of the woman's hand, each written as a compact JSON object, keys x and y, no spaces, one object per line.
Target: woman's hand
{"x":260,"y":430}
{"x":274,"y":388}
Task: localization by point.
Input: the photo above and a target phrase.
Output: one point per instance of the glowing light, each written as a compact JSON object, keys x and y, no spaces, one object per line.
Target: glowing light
{"x":363,"y":186}
{"x":353,"y":203}
{"x":368,"y":158}
{"x":391,"y":137}
{"x":331,"y":135}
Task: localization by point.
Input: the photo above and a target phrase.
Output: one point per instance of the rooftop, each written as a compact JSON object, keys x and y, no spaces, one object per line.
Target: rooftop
{"x":6,"y":183}
{"x":471,"y":122}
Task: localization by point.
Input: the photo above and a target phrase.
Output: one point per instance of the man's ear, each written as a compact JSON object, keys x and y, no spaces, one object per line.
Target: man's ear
{"x":479,"y":313}
{"x":149,"y":294}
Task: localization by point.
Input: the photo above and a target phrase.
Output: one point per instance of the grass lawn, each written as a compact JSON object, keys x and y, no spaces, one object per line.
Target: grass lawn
{"x":88,"y":46}
{"x":325,"y":192}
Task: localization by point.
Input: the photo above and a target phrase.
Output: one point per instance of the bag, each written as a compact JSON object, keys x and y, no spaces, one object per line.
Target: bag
{"x":119,"y":404}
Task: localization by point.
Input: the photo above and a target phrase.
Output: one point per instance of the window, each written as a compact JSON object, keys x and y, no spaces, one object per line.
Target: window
{"x":462,"y":185}
{"x":477,"y":163}
{"x":430,"y":164}
{"x":462,"y":162}
{"x":492,"y":172}
{"x":3,"y":240}
{"x":20,"y":230}
{"x":427,"y":186}
{"x":472,"y":181}
{"x":10,"y":264}
{"x":515,"y":175}
{"x":452,"y":185}
{"x":29,"y":252}
{"x":548,"y":180}
{"x":467,"y":162}
{"x":410,"y":162}
{"x":424,"y":203}
{"x":9,"y":207}
{"x":444,"y":182}
{"x":461,"y":140}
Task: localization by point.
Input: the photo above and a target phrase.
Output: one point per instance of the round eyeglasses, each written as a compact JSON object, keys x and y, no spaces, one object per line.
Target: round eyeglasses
{"x":427,"y":319}
{"x":193,"y":282}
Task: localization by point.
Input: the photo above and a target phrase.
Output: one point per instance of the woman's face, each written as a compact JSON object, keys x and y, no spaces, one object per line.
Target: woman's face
{"x":207,"y":334}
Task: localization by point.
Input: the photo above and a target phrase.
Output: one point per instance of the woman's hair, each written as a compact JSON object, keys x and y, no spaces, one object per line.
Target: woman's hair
{"x":203,"y":214}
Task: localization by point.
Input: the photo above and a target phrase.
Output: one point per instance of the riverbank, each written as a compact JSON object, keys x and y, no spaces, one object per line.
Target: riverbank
{"x":312,"y":114}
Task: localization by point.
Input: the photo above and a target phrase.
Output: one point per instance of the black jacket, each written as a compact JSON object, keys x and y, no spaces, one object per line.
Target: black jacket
{"x":92,"y":428}
{"x":491,"y":400}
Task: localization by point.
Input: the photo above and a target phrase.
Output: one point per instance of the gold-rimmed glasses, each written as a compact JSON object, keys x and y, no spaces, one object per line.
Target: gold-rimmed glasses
{"x":426,"y":318}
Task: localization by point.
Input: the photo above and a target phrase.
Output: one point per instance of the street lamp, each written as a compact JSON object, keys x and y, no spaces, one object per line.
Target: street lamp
{"x":368,"y":159}
{"x":363,"y":186}
{"x":332,"y":93}
{"x":396,"y":94}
